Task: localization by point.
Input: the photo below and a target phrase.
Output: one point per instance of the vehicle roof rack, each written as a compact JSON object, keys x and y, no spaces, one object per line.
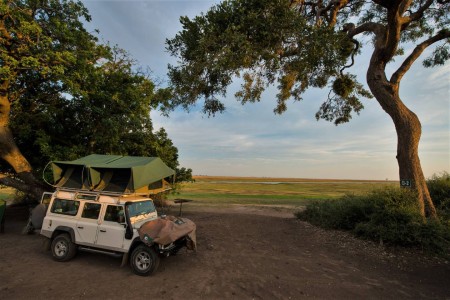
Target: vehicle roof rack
{"x":95,"y":195}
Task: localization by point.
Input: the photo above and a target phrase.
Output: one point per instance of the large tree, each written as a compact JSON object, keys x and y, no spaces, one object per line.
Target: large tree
{"x":301,"y":44}
{"x":39,"y":42}
{"x":63,"y":95}
{"x":109,"y":112}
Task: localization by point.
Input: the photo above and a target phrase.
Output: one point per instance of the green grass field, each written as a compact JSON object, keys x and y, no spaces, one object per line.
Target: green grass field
{"x":271,"y":191}
{"x":7,"y":194}
{"x":263,"y":191}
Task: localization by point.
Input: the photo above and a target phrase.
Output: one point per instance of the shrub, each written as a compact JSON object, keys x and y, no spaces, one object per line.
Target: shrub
{"x":439,"y":188}
{"x":343,"y":213}
{"x":390,"y":215}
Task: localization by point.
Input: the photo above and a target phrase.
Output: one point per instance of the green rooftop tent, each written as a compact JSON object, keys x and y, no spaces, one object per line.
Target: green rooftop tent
{"x":113,"y":173}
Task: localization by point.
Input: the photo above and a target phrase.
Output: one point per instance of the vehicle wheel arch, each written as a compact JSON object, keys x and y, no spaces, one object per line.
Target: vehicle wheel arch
{"x":135,"y":243}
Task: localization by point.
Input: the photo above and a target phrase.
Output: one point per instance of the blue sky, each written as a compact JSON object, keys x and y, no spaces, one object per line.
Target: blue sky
{"x":251,"y":140}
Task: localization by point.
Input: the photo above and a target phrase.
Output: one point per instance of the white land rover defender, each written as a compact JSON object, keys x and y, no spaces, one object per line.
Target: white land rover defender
{"x":103,"y":220}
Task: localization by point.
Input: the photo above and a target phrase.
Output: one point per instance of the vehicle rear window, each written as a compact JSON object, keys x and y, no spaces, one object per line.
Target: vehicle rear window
{"x":65,"y":207}
{"x":91,"y":210}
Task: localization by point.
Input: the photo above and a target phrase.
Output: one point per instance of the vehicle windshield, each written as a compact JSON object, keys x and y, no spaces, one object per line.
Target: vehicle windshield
{"x":140,"y":208}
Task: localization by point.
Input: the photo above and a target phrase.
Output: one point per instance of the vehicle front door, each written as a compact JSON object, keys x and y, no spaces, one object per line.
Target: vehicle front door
{"x":111,"y":230}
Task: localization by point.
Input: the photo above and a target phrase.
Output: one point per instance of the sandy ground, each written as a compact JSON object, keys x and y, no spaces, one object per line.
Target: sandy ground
{"x":243,"y":253}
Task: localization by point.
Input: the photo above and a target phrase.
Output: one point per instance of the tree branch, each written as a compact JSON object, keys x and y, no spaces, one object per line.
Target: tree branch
{"x":366,"y":27}
{"x":388,"y":43}
{"x":334,"y":9}
{"x":417,"y":15}
{"x":352,"y":30}
{"x":13,"y":182}
{"x":318,"y":11}
{"x":22,"y":185}
{"x":404,"y":6}
{"x":5,"y":34}
{"x":393,"y":32}
{"x":388,"y":3}
{"x":406,"y":65}
{"x":352,"y":57}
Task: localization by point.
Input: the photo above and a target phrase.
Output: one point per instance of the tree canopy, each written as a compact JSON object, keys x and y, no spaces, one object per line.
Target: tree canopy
{"x":297,"y":45}
{"x":64,"y":95}
{"x":294,"y":44}
{"x":109,"y":113}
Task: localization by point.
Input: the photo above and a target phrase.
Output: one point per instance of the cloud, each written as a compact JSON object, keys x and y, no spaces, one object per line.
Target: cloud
{"x":251,"y":140}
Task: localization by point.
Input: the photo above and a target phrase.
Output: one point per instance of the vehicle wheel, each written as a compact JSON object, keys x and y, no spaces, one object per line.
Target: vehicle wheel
{"x":144,"y":260}
{"x":63,"y":249}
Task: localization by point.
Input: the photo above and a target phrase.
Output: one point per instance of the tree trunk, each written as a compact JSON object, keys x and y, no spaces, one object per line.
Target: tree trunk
{"x":25,"y":180}
{"x":408,"y":130}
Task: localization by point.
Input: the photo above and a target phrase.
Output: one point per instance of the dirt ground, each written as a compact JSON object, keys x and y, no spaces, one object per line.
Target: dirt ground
{"x":243,"y":253}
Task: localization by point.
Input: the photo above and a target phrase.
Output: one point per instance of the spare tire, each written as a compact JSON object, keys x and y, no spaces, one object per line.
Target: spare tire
{"x":37,"y":216}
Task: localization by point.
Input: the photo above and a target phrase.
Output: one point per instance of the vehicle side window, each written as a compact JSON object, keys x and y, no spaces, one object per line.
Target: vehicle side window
{"x":91,"y":210}
{"x":114,"y":213}
{"x":65,"y":207}
{"x":46,"y":198}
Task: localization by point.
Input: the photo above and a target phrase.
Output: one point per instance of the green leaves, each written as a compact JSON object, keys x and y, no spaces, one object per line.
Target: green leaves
{"x":5,"y":73}
{"x":42,"y":38}
{"x":70,"y":96}
{"x":344,"y":85}
{"x":439,"y":56}
{"x":294,"y":45}
{"x":345,"y":101}
{"x":107,"y":112}
{"x":262,"y":41}
{"x":29,"y":63}
{"x":232,"y":37}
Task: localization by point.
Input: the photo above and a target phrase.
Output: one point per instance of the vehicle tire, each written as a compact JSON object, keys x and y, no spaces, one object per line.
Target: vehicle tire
{"x":144,"y":260}
{"x":63,"y":249}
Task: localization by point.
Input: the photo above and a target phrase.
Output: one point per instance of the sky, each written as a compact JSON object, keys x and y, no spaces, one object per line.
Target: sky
{"x":250,"y":140}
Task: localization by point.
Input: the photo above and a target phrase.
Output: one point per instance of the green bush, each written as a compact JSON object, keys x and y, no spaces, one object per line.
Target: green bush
{"x":439,"y":188}
{"x":391,"y":216}
{"x":343,"y":213}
